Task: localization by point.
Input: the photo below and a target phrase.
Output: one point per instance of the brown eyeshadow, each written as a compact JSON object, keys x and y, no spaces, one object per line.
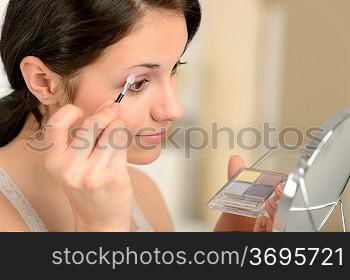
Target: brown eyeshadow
{"x":258,"y":192}
{"x":270,"y":179}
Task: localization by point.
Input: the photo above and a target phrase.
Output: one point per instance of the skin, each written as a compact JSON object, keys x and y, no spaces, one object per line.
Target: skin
{"x":156,"y":107}
{"x":83,"y":202}
{"x":234,"y":223}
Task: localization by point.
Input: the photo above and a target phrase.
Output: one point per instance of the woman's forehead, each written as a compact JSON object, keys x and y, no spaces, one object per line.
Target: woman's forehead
{"x":158,"y":39}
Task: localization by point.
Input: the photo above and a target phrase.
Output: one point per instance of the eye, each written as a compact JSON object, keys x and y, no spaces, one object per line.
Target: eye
{"x":139,"y":85}
{"x":176,"y":67}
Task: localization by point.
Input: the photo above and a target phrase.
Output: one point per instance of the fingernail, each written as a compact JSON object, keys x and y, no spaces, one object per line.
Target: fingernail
{"x":263,"y":222}
{"x":104,"y":105}
{"x":116,"y":107}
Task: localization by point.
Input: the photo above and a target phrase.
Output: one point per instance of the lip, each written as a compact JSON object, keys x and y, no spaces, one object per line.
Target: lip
{"x":155,"y":138}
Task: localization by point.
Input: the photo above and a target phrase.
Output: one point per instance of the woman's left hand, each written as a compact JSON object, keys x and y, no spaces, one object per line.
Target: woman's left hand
{"x":264,"y":224}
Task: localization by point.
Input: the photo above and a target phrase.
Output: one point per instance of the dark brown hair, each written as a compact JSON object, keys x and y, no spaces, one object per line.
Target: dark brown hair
{"x":67,"y":35}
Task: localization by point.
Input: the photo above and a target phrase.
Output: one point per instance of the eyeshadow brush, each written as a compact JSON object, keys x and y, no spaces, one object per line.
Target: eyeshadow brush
{"x":129,"y":82}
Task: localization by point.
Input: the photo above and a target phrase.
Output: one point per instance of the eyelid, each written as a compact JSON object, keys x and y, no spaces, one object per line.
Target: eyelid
{"x":144,"y":82}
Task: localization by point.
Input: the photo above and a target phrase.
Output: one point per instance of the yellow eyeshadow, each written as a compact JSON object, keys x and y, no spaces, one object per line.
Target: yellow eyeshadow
{"x":248,"y":176}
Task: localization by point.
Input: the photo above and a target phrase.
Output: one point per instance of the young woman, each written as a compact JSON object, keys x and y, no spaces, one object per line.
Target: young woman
{"x":66,"y":62}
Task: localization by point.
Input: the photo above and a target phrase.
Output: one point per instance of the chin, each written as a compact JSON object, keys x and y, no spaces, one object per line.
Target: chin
{"x":143,"y":157}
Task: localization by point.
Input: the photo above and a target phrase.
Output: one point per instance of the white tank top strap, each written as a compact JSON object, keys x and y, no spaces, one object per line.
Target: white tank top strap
{"x":17,"y":199}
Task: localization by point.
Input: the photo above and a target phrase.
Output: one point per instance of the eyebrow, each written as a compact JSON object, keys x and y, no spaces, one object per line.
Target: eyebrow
{"x":146,"y":65}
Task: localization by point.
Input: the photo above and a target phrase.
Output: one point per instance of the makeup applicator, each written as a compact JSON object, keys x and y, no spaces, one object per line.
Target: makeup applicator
{"x":129,"y":82}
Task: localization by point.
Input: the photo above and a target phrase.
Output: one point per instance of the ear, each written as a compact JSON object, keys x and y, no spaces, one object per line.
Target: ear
{"x":40,"y":80}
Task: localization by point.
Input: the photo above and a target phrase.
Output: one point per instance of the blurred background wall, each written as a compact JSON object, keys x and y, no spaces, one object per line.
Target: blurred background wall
{"x":285,"y":62}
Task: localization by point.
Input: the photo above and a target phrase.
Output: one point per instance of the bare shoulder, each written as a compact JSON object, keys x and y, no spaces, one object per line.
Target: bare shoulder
{"x":150,"y":201}
{"x":10,"y":220}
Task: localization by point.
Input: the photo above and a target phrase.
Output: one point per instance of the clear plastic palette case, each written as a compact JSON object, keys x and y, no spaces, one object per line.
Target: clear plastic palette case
{"x":246,"y":193}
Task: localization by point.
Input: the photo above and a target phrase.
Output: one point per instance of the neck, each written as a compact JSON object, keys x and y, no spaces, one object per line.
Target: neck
{"x":25,"y":154}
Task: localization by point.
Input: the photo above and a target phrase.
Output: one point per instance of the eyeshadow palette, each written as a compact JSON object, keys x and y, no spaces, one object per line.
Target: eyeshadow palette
{"x":246,"y":193}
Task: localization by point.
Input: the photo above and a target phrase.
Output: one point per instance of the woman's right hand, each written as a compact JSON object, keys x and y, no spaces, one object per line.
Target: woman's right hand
{"x":96,"y":181}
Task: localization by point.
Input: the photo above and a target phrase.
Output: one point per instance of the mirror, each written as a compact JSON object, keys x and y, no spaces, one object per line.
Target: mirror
{"x":314,"y":189}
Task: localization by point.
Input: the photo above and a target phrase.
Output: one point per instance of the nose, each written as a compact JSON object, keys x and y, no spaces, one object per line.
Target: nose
{"x":167,"y":106}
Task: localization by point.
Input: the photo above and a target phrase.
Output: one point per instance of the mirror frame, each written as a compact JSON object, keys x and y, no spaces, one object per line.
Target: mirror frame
{"x":295,"y":179}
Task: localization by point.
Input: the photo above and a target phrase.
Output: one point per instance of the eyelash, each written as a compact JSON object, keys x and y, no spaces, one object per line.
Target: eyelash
{"x":180,"y":63}
{"x":145,"y":81}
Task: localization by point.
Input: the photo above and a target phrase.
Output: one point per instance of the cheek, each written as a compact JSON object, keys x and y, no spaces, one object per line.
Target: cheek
{"x":135,"y":113}
{"x":91,"y":95}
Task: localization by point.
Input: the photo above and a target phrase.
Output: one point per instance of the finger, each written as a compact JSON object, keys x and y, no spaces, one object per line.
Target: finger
{"x":269,"y":225}
{"x":271,"y":207}
{"x":235,"y":164}
{"x":108,"y":144}
{"x":279,"y":191}
{"x":260,"y":224}
{"x":91,"y":129}
{"x":108,"y":103}
{"x":121,"y":137}
{"x":58,"y":127}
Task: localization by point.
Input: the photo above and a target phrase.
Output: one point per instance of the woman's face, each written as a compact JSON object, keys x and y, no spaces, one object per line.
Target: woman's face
{"x":151,"y":53}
